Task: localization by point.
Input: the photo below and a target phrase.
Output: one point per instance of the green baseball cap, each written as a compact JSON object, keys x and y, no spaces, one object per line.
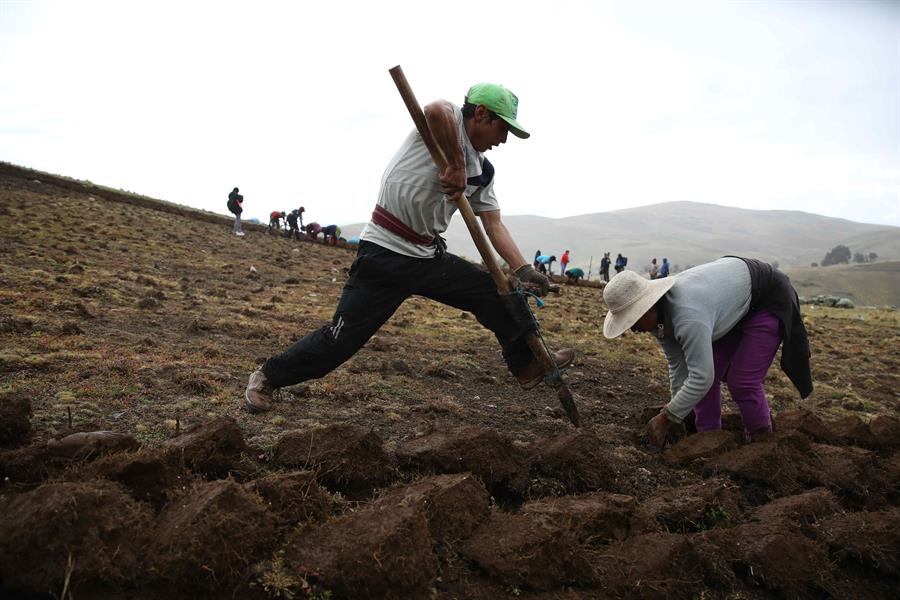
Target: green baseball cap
{"x":501,"y":101}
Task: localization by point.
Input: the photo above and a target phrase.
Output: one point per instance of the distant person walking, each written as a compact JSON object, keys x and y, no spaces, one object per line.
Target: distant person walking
{"x":621,"y":261}
{"x":720,"y":321}
{"x":564,"y":262}
{"x":654,"y":270}
{"x":664,"y":269}
{"x":604,"y":267}
{"x":235,"y":202}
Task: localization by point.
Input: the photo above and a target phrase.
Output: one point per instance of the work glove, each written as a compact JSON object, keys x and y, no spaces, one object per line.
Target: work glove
{"x":527,"y":274}
{"x":664,"y":427}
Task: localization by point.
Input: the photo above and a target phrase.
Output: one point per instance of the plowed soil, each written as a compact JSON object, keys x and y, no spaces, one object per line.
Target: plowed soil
{"x":418,"y":469}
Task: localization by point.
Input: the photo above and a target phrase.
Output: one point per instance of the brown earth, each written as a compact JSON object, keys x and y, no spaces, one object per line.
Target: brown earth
{"x":418,"y":469}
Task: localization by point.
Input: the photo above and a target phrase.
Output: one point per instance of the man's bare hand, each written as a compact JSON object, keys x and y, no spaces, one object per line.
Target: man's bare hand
{"x":453,"y":182}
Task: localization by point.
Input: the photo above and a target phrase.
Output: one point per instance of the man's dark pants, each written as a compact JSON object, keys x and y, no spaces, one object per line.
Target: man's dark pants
{"x":380,"y":280}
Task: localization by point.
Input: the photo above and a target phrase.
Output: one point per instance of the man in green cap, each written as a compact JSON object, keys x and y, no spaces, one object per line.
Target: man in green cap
{"x":402,"y":253}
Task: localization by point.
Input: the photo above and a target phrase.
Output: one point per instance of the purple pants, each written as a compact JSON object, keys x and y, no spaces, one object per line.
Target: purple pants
{"x":742,"y":358}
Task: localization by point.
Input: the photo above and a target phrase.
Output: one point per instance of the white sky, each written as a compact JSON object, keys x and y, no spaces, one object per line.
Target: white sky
{"x":788,"y":105}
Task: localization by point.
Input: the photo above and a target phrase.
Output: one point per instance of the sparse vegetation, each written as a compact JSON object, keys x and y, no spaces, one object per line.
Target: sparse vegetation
{"x":839,"y":255}
{"x":870,"y":284}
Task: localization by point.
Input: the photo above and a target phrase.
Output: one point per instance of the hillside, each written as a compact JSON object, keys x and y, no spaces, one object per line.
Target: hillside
{"x":418,"y":469}
{"x":874,"y":284}
{"x":687,"y":233}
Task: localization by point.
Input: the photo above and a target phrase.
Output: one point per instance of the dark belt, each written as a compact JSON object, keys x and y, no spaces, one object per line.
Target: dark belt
{"x":382,"y":217}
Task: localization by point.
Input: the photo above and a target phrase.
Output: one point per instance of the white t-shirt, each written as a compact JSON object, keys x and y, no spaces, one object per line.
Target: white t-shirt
{"x":410,"y":191}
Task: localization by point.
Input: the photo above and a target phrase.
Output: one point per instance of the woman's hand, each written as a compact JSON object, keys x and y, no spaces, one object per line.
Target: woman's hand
{"x":664,"y":428}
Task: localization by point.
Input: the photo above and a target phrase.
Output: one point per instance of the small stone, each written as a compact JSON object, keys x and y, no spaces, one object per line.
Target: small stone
{"x":148,"y":302}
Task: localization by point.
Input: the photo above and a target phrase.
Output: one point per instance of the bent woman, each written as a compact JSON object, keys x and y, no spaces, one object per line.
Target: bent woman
{"x":721,"y":321}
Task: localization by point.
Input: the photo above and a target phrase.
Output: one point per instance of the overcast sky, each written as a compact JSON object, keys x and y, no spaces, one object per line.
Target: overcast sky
{"x":777,"y":104}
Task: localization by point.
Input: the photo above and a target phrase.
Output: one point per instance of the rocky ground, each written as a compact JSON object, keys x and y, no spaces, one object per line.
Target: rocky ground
{"x":418,"y":469}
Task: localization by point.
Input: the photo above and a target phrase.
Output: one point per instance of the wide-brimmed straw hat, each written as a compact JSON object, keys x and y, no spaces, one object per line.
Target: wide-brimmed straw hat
{"x":628,"y":297}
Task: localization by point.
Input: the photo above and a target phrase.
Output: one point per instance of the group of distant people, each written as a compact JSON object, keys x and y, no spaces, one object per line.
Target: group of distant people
{"x":659,"y":271}
{"x":656,"y":271}
{"x":291,"y":224}
{"x":543,"y":263}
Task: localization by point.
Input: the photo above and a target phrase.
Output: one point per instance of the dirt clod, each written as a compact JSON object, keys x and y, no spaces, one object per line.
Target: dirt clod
{"x":784,"y":462}
{"x":531,"y":550}
{"x":483,"y":452}
{"x":701,"y":445}
{"x":209,"y":536}
{"x":886,"y":431}
{"x":15,"y":419}
{"x":801,"y":509}
{"x":293,"y":497}
{"x":211,"y":448}
{"x":597,"y":517}
{"x":377,"y":552}
{"x":90,"y":444}
{"x":688,"y":509}
{"x":346,"y":458}
{"x":453,"y":504}
{"x":773,"y":558}
{"x":579,"y":460}
{"x":92,"y":532}
{"x":145,"y":474}
{"x":645,"y":566}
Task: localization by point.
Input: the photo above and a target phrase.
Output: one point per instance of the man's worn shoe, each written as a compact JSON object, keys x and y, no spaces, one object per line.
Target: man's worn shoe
{"x":534,"y":372}
{"x":259,"y":393}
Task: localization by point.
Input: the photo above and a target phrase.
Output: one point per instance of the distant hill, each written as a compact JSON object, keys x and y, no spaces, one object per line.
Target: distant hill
{"x":687,"y":233}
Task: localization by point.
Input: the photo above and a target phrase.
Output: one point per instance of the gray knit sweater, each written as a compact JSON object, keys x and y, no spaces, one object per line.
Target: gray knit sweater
{"x":704,"y":304}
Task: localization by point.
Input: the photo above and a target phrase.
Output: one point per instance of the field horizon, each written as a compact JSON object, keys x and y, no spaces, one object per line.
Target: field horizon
{"x":865,"y":284}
